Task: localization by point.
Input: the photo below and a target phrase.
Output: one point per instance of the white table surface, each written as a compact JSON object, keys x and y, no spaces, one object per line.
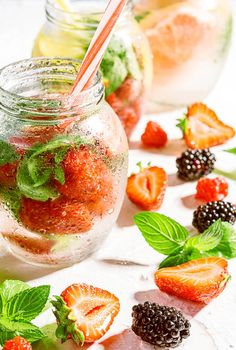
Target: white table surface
{"x":213,"y":325}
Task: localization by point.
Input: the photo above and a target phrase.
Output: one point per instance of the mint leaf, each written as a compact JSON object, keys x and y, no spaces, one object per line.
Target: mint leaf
{"x":50,"y":341}
{"x":28,"y":304}
{"x":182,"y":257}
{"x":209,"y":239}
{"x":162,"y":233}
{"x":8,"y":153}
{"x":9,"y":329}
{"x":59,"y":174}
{"x":142,"y":15}
{"x":229,"y":174}
{"x":9,"y":288}
{"x":227,"y":246}
{"x":1,"y":304}
{"x":12,"y":199}
{"x":231,"y":150}
{"x":27,"y":186}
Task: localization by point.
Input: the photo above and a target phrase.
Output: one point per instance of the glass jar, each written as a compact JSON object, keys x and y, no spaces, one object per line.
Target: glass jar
{"x":190,"y":40}
{"x":63,"y":167}
{"x":127,"y":64}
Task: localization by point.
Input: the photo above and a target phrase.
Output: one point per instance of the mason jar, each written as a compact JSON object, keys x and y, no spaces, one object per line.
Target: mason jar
{"x":127,"y":64}
{"x":63,"y":165}
{"x":190,"y":40}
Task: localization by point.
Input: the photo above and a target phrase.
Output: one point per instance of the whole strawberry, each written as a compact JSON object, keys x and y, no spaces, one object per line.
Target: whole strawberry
{"x":87,"y":177}
{"x":154,"y":135}
{"x":212,"y":189}
{"x":147,"y":188}
{"x":84,"y":313}
{"x":17,"y":343}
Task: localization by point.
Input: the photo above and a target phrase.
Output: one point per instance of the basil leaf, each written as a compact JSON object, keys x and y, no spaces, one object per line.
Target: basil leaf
{"x":209,"y":239}
{"x":27,"y":186}
{"x":227,"y":246}
{"x":27,"y":304}
{"x":8,"y":153}
{"x":162,"y":233}
{"x":9,"y":288}
{"x":10,"y":329}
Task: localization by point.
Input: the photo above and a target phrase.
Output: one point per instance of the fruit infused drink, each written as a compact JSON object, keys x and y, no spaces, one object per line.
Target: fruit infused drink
{"x":62,"y":169}
{"x":127,"y":63}
{"x":190,"y":41}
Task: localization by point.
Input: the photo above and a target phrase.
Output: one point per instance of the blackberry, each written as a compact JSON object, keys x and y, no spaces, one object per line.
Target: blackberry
{"x":206,"y":214}
{"x":159,"y":325}
{"x":195,"y":163}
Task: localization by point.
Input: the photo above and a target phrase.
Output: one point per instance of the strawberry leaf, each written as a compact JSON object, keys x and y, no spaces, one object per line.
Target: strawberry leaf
{"x":209,"y":239}
{"x":162,"y":233}
{"x":182,"y":124}
{"x":8,"y":153}
{"x":27,"y":304}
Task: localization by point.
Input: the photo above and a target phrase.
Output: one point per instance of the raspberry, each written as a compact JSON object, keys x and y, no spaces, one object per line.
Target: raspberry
{"x":59,"y":216}
{"x":212,"y":189}
{"x":17,"y":343}
{"x":154,"y":135}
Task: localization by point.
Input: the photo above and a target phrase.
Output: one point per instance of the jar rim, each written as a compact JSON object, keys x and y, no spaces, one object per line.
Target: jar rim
{"x":15,"y":77}
{"x":56,"y":13}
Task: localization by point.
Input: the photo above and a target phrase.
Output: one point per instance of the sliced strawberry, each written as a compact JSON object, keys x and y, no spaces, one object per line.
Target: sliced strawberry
{"x":17,"y":343}
{"x":87,"y":177}
{"x":147,"y":188}
{"x":203,"y":129}
{"x":211,"y":190}
{"x":198,"y":280}
{"x":8,"y":174}
{"x":59,"y":216}
{"x":154,"y":135}
{"x":85,"y":313}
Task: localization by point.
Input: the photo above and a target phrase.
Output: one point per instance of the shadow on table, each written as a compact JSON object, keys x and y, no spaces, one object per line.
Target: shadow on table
{"x":191,"y":202}
{"x":173,"y":148}
{"x":127,"y":213}
{"x":13,"y":268}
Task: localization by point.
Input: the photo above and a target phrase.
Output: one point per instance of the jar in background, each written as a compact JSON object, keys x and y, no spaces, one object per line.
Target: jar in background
{"x":127,"y":64}
{"x":63,"y":169}
{"x":190,"y":40}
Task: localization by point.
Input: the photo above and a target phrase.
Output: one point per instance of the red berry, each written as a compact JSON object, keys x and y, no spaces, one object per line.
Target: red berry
{"x":8,"y":174}
{"x":129,"y":91}
{"x":87,"y":177}
{"x":59,"y":216}
{"x":211,"y":190}
{"x":17,"y":343}
{"x":154,"y":135}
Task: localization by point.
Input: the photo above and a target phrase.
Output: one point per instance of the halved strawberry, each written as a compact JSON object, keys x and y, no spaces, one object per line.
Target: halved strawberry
{"x":154,"y":135}
{"x":198,"y":280}
{"x":17,"y":343}
{"x":147,"y":188}
{"x":203,"y":129}
{"x":84,"y":313}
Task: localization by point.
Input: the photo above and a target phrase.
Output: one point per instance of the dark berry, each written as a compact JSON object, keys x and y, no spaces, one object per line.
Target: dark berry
{"x":159,"y":325}
{"x":205,"y":215}
{"x":194,"y":164}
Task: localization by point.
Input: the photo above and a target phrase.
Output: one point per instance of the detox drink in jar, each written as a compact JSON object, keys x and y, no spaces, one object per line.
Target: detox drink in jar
{"x":127,"y":64}
{"x":190,"y":40}
{"x":63,"y":166}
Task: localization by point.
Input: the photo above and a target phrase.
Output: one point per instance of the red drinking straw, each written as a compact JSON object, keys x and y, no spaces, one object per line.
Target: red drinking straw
{"x":97,"y":47}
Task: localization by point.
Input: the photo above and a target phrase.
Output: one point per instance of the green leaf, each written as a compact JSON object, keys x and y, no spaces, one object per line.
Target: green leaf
{"x":50,"y":341}
{"x":182,"y":257}
{"x":27,"y":188}
{"x":227,"y":246}
{"x":141,"y":16}
{"x":59,"y":174}
{"x":162,"y":233}
{"x":182,"y":124}
{"x":209,"y":239}
{"x":1,"y":304}
{"x":8,"y":153}
{"x":9,"y":288}
{"x":231,"y":150}
{"x":12,"y":199}
{"x":114,"y":72}
{"x":28,"y":304}
{"x":229,"y":174}
{"x":9,"y":329}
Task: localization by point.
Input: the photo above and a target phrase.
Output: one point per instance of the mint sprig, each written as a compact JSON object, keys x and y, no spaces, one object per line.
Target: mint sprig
{"x":229,"y":174}
{"x":170,"y":238}
{"x":19,"y":305}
